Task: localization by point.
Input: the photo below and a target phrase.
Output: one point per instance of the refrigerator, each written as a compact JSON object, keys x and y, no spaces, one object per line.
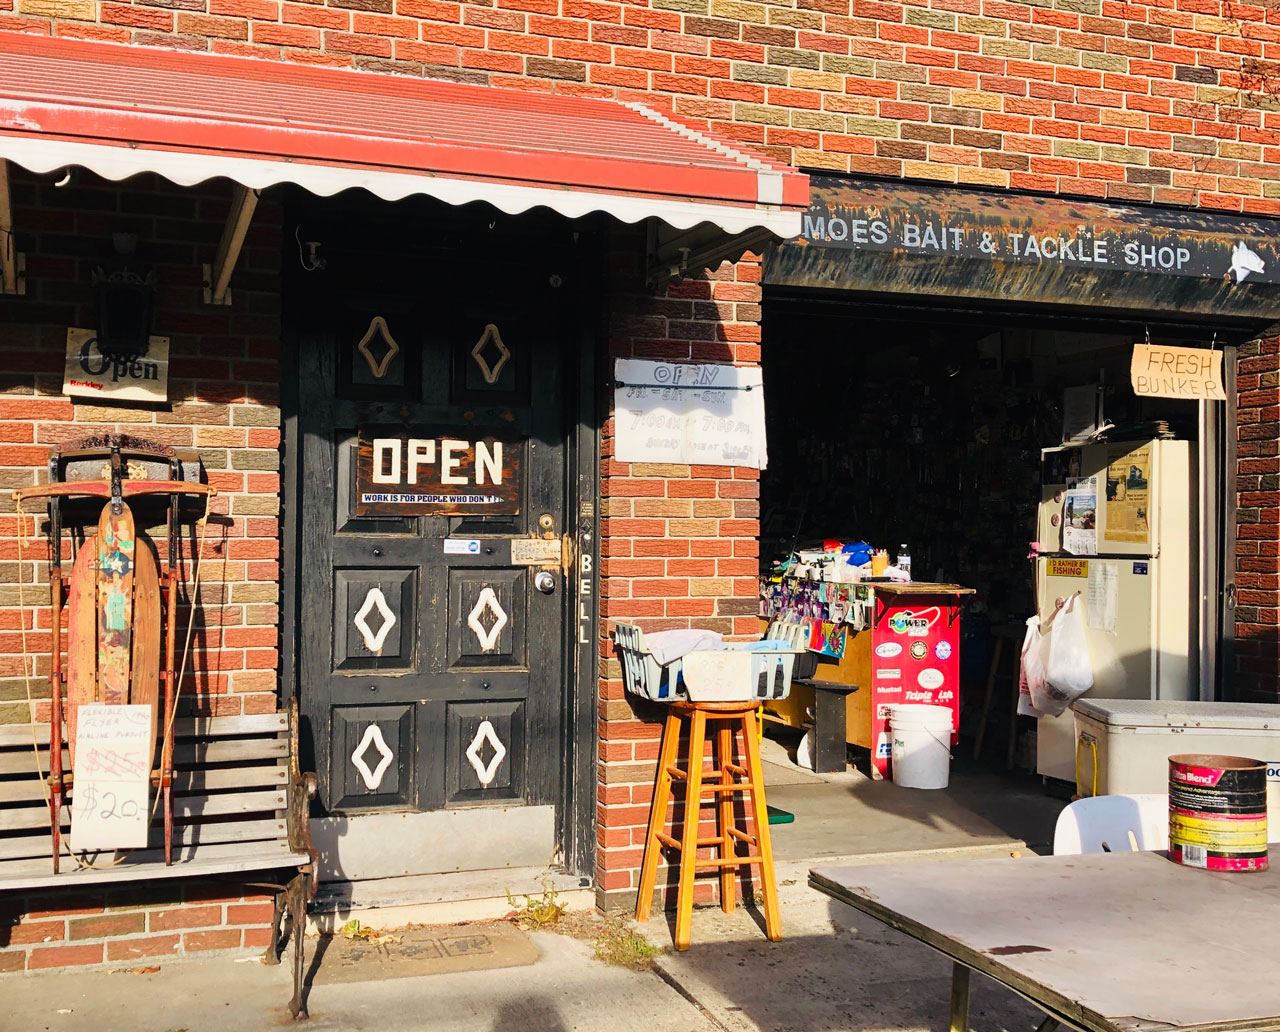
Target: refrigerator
{"x":1117,"y":525}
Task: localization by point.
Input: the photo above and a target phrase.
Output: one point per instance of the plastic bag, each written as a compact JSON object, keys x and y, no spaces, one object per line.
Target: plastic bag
{"x":1031,"y":669}
{"x":1068,"y":669}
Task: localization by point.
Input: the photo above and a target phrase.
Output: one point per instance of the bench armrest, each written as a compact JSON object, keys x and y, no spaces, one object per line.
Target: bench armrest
{"x":302,"y":789}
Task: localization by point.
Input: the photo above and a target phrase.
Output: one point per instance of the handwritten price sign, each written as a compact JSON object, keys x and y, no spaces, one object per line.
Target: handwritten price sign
{"x":113,"y":765}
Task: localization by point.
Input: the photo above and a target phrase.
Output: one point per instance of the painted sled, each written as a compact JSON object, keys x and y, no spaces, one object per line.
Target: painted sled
{"x":121,"y":604}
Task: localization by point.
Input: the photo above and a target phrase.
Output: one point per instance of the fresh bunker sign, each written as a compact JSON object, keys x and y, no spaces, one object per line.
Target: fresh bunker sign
{"x":416,"y":472}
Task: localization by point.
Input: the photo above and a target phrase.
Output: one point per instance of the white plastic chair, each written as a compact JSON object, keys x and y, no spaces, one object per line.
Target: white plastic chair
{"x":1087,"y":823}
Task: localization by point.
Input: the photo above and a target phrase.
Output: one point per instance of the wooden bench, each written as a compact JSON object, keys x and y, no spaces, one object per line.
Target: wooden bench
{"x":240,"y":807}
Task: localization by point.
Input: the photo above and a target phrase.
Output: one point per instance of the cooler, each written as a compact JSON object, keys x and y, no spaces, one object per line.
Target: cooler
{"x":1128,"y":742}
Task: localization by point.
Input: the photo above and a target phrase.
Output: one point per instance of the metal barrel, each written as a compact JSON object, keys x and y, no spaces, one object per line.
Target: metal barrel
{"x":1218,"y":812}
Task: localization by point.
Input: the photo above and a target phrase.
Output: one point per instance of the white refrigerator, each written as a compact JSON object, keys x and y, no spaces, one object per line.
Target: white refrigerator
{"x":1117,"y":524}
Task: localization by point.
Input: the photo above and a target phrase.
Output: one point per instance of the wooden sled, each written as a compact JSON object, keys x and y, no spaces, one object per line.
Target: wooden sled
{"x":121,"y":607}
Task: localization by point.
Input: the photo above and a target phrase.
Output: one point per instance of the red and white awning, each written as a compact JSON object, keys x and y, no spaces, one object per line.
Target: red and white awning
{"x":121,"y":110}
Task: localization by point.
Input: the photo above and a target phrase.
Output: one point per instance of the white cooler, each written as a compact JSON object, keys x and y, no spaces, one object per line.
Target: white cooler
{"x":1128,"y":742}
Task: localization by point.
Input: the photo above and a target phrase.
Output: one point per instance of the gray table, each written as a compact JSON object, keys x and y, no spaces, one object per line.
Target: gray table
{"x":1117,"y":942}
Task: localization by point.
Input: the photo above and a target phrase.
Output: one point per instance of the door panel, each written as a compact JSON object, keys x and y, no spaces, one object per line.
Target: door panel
{"x":430,"y":665}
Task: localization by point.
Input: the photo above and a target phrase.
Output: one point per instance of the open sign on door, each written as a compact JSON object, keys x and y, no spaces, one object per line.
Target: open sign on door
{"x":410,"y":472}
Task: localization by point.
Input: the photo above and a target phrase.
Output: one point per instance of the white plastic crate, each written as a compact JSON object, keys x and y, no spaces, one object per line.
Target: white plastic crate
{"x":642,"y":674}
{"x":742,"y":671}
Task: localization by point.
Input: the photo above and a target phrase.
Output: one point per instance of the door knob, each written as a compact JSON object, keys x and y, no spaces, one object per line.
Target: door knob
{"x":545,"y":581}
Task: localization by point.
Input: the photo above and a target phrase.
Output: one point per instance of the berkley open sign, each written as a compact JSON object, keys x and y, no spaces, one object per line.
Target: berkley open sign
{"x":88,"y":373}
{"x":413,"y":472}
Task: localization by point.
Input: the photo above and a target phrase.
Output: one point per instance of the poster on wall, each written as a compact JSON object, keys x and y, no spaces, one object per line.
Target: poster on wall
{"x":1128,"y":489}
{"x":1080,"y":517}
{"x":403,"y":471}
{"x":711,"y":415}
{"x":88,"y":373}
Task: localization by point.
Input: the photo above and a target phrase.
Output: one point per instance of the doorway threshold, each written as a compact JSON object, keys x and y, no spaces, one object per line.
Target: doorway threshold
{"x":441,"y":898}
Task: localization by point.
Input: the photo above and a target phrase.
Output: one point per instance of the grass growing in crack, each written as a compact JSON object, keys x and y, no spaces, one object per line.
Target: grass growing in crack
{"x":611,"y":935}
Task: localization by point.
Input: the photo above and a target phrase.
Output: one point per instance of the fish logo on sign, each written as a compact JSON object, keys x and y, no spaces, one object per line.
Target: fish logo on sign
{"x":1244,"y":261}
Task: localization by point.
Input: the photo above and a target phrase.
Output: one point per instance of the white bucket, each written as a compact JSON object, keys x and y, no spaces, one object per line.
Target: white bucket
{"x":921,"y":745}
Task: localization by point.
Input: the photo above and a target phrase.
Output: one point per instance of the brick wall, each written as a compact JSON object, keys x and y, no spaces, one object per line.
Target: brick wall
{"x":1257,"y":559}
{"x":678,"y":543}
{"x":127,"y":926}
{"x":223,"y":390}
{"x":1172,"y":101}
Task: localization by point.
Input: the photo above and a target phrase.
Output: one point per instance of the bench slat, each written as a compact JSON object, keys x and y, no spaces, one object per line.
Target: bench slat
{"x":185,"y":754}
{"x":27,"y":846}
{"x":191,"y":807}
{"x":148,"y":865}
{"x":184,"y":781}
{"x":183,"y":727}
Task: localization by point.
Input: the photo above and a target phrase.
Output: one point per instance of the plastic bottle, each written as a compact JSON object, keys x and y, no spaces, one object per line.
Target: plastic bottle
{"x":904,"y":560}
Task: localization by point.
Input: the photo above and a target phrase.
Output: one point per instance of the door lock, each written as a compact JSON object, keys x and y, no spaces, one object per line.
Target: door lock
{"x":545,"y":581}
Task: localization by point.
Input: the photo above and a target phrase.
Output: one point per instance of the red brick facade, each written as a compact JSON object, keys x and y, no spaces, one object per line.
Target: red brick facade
{"x":1163,"y":101}
{"x":1257,"y":559}
{"x":128,"y":926}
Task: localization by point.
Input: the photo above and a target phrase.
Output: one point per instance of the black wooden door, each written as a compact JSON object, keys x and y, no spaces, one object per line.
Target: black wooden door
{"x":430,"y":647}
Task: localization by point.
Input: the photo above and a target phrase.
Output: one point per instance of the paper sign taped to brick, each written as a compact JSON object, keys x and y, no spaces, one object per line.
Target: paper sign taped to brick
{"x":109,"y":799}
{"x":707,"y":415}
{"x":1194,"y":374}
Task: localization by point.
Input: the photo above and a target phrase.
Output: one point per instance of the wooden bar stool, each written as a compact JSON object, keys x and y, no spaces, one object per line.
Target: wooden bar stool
{"x":722,"y":781}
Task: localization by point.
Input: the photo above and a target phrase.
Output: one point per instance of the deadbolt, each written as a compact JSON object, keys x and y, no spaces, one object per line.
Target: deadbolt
{"x":545,"y":581}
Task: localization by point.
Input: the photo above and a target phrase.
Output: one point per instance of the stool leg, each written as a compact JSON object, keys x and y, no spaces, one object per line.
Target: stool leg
{"x":657,"y":815}
{"x":724,"y":808}
{"x":760,"y":822}
{"x":689,"y":837}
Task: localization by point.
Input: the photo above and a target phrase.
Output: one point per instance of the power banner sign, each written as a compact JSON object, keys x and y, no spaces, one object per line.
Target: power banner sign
{"x":412,"y":472}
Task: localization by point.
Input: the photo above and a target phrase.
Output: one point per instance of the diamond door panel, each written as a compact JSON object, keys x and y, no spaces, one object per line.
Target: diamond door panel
{"x":375,"y":613}
{"x":485,"y":746}
{"x":487,"y":618}
{"x":375,"y":744}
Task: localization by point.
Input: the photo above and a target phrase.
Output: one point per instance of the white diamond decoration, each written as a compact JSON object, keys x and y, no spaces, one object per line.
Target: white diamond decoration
{"x":372,"y":736}
{"x":488,"y":639}
{"x":485,"y":772}
{"x":379,"y":325}
{"x":490,"y":372}
{"x":375,"y":599}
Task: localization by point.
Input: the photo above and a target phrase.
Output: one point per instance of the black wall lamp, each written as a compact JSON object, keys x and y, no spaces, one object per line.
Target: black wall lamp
{"x":126,"y":303}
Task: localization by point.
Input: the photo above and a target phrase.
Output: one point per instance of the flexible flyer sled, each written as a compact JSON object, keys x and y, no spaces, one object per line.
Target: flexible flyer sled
{"x":121,"y":607}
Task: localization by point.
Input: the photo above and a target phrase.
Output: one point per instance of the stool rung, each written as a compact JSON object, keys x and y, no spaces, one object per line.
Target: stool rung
{"x":741,"y":836}
{"x":667,"y":840}
{"x":730,"y":861}
{"x":733,"y":768}
{"x":736,"y":786}
{"x":677,"y":773}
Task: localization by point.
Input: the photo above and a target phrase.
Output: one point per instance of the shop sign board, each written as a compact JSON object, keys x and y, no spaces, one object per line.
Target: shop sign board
{"x":709,"y":415}
{"x":404,"y":471}
{"x":88,"y":373}
{"x":870,"y":235}
{"x":1193,"y":374}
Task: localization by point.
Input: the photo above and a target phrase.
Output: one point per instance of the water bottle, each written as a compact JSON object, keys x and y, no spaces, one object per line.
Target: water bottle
{"x":904,"y":560}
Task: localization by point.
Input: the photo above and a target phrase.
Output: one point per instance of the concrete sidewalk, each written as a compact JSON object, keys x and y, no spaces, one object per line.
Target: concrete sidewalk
{"x":834,"y":970}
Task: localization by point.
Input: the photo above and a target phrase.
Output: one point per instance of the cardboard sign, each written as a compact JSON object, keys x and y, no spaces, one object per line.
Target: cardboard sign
{"x":1194,"y":374}
{"x":109,"y":805}
{"x":88,"y":373}
{"x":411,"y":472}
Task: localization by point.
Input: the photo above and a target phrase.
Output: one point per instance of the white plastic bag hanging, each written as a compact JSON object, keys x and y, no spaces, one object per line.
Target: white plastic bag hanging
{"x":1068,"y":669}
{"x":1031,"y":668}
